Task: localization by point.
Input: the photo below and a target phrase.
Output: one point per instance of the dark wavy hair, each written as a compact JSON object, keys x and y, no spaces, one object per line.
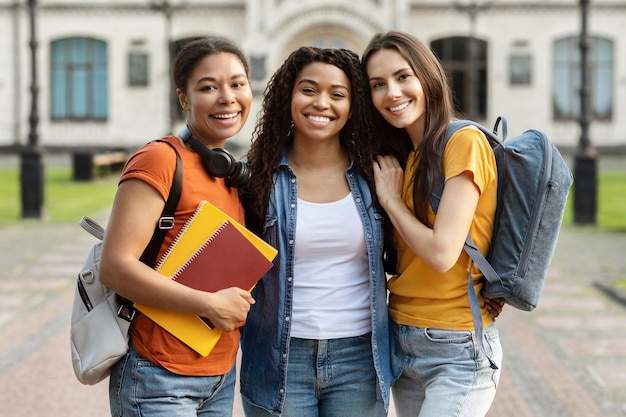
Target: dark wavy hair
{"x":273,"y":131}
{"x":195,"y":51}
{"x":439,"y":112}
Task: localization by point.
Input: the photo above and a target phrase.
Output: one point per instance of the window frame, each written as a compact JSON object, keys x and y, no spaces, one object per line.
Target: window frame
{"x":78,"y":79}
{"x":567,"y":78}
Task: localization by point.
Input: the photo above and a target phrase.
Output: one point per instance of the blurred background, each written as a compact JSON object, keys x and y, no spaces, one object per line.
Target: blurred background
{"x":83,"y":83}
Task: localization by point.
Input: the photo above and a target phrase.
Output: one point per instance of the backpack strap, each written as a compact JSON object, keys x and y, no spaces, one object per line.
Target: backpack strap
{"x":470,"y":248}
{"x":166,"y":222}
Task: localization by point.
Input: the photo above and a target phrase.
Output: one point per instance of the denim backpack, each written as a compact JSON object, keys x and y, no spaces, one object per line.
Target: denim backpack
{"x":533,"y":184}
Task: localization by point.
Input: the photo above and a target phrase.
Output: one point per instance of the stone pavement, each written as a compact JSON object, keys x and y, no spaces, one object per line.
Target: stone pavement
{"x":565,"y":359}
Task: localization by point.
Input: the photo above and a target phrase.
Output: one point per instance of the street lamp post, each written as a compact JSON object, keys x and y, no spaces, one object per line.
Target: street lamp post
{"x":31,"y":168}
{"x":585,"y":161}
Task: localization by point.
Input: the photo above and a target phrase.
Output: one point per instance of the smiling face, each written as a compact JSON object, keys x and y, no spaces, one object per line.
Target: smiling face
{"x":396,"y":91}
{"x":217,"y":98}
{"x":320,"y":102}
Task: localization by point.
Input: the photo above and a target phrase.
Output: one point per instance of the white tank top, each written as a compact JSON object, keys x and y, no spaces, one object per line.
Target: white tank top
{"x":331,"y":294}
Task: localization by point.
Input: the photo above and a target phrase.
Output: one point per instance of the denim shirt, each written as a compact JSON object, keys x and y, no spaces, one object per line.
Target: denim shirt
{"x":265,"y":337}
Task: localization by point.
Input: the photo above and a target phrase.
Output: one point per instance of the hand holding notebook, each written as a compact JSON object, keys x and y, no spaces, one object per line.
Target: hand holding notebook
{"x":211,"y":252}
{"x":226,"y":259}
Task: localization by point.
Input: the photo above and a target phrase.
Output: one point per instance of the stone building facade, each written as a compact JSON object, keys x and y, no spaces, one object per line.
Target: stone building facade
{"x":102,"y":67}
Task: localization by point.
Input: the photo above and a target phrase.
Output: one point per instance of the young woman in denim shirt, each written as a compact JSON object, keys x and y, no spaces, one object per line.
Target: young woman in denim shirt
{"x":444,"y":373}
{"x":317,"y":341}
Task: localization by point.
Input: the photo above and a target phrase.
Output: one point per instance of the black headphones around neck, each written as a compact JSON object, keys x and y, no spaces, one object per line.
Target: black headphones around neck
{"x":218,"y":162}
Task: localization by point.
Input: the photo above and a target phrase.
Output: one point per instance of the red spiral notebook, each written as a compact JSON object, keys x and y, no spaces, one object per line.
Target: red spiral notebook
{"x":226,"y":259}
{"x":211,"y":252}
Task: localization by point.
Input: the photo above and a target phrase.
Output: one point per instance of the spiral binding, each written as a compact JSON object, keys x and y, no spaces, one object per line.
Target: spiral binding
{"x":180,"y":234}
{"x":200,"y":249}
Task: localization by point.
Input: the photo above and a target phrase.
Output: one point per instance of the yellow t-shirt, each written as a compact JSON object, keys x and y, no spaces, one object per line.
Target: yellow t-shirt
{"x":419,"y":296}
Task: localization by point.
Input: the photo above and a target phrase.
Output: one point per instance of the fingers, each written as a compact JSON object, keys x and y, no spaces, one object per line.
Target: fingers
{"x":386,"y":162}
{"x":247,"y":296}
{"x":494,"y":306}
{"x":228,"y":308}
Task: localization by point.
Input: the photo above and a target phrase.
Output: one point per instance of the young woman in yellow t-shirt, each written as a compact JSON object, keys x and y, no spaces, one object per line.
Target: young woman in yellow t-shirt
{"x":444,"y":373}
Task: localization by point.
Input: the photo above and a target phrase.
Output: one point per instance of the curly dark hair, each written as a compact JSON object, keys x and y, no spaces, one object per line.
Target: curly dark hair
{"x":273,"y":131}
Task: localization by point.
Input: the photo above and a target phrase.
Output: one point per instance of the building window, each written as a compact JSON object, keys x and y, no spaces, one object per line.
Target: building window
{"x":79,"y":88}
{"x":137,"y":69}
{"x":457,"y":60}
{"x":567,"y":82}
{"x":520,"y":69}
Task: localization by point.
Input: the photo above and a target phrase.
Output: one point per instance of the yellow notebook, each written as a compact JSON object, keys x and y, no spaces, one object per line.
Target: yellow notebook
{"x":207,"y":227}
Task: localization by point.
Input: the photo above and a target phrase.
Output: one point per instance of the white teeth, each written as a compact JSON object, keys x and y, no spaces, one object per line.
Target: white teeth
{"x":225,"y":116}
{"x":400,"y":107}
{"x":319,"y":119}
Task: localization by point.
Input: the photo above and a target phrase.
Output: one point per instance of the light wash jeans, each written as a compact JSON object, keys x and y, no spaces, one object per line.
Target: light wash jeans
{"x":139,"y":388}
{"x":444,"y":373}
{"x":329,"y":378}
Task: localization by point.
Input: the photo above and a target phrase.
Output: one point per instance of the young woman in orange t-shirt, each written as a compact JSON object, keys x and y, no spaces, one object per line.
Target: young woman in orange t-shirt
{"x":160,"y":375}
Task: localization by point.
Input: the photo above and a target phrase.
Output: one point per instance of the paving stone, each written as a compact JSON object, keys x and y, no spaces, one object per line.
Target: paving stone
{"x":596,"y":347}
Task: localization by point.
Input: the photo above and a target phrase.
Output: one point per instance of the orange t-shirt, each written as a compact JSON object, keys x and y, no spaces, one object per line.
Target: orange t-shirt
{"x":155,"y":164}
{"x":421,"y":297}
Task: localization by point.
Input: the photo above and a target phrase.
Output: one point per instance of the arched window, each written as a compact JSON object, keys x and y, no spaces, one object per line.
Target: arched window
{"x":457,"y":60}
{"x":567,"y":78}
{"x":79,"y":81}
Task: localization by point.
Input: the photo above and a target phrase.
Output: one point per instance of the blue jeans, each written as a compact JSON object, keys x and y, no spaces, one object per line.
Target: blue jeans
{"x":139,"y":388}
{"x":329,"y":378}
{"x":444,"y":373}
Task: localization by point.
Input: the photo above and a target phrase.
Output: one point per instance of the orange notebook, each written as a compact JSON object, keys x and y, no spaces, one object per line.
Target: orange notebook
{"x":211,"y":252}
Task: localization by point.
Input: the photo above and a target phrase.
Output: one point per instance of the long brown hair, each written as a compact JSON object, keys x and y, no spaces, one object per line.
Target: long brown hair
{"x":274,"y":130}
{"x":439,"y":112}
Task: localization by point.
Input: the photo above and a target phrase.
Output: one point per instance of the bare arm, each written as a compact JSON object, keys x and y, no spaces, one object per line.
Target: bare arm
{"x":136,"y":208}
{"x":440,"y":246}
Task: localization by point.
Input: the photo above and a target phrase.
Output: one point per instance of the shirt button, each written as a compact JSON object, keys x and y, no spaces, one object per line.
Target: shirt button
{"x":293,"y":205}
{"x":286,"y":318}
{"x":358,"y":200}
{"x":289,"y":279}
{"x":291,"y":241}
{"x":293,"y":180}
